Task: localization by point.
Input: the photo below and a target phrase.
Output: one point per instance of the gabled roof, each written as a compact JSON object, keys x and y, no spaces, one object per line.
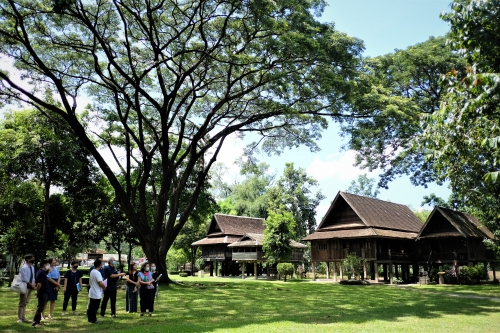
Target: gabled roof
{"x":443,"y":222}
{"x":216,"y":240}
{"x":373,"y":213}
{"x":254,"y":240}
{"x":223,"y":224}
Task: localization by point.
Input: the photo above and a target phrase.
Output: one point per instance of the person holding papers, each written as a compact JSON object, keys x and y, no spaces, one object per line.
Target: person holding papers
{"x":147,"y":289}
{"x":112,"y":276}
{"x":156,"y":277}
{"x":72,"y":286}
{"x":95,"y":292}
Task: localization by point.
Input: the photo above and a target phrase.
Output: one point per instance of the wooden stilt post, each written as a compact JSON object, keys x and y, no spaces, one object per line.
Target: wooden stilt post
{"x":341,"y":271}
{"x":255,"y":270}
{"x":494,"y":272}
{"x":375,"y":268}
{"x":364,"y":270}
{"x":216,"y":268}
{"x":268,"y":271}
{"x":211,"y":268}
{"x":334,"y":271}
{"x":243,"y":269}
{"x":327,"y":270}
{"x":390,"y":273}
{"x":313,"y":270}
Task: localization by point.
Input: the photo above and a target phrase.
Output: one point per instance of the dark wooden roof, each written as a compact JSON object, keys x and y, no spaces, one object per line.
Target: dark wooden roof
{"x":443,"y":222}
{"x":360,"y":233}
{"x":372,"y":212}
{"x":223,"y":224}
{"x":226,"y":229}
{"x":254,"y":240}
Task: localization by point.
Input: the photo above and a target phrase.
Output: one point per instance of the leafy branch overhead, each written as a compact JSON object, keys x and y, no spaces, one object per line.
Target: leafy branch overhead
{"x":167,"y":83}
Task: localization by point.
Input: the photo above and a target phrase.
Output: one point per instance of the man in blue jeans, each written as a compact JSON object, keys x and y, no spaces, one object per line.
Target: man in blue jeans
{"x":112,"y":275}
{"x":95,"y":292}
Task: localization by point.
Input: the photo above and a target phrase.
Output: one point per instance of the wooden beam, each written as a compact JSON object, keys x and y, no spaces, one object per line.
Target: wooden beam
{"x":334,"y":271}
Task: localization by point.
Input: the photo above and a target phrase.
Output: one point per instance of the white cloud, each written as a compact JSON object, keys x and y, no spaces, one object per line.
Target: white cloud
{"x":338,"y":165}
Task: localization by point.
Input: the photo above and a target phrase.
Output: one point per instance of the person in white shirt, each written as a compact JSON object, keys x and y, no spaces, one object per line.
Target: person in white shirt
{"x":95,"y":293}
{"x":27,"y":275}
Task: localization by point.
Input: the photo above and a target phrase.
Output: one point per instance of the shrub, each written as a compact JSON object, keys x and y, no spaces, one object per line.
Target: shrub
{"x":183,"y":274}
{"x":395,"y":280}
{"x":471,"y":275}
{"x":353,"y":265}
{"x":355,"y":282}
{"x":285,"y":268}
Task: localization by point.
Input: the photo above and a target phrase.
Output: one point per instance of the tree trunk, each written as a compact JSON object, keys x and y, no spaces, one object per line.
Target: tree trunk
{"x":129,"y":258}
{"x":156,"y":254}
{"x":46,"y":218}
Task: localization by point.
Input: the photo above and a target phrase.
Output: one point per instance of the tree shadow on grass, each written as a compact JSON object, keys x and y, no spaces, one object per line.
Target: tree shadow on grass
{"x":233,"y":304}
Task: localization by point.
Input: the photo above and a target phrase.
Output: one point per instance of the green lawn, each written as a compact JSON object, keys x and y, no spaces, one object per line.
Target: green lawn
{"x":233,"y":305}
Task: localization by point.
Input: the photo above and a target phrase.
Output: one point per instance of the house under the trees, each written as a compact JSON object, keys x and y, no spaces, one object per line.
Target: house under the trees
{"x":389,"y":235}
{"x":234,"y":241}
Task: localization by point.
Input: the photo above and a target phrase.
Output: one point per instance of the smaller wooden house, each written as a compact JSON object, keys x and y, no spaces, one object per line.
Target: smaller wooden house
{"x":248,"y":250}
{"x":451,"y":237}
{"x":222,"y":231}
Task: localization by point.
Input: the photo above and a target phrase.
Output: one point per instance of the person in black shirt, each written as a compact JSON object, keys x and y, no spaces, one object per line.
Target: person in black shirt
{"x":42,"y":290}
{"x":73,"y":277}
{"x":112,"y":275}
{"x":132,"y":287}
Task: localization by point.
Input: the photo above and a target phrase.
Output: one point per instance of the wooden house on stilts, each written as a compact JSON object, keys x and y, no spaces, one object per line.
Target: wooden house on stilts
{"x":381,"y":232}
{"x":452,"y":237}
{"x":222,"y":231}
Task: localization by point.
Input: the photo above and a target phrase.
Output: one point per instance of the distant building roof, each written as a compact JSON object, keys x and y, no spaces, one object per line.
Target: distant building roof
{"x":444,"y":222}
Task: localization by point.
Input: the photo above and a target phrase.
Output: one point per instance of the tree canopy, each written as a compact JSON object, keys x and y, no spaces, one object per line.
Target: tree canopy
{"x":168,"y":81}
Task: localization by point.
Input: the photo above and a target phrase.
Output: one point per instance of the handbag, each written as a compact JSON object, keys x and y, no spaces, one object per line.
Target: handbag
{"x":18,"y":285}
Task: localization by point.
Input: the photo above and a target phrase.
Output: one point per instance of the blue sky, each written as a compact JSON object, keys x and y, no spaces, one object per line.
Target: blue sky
{"x":383,"y":25}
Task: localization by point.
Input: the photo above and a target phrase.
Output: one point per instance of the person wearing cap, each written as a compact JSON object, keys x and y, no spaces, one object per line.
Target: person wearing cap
{"x":28,"y":276}
{"x":112,"y":275}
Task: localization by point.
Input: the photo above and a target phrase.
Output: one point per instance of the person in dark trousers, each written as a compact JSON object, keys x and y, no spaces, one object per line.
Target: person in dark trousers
{"x":73,"y":279}
{"x":42,"y":291}
{"x":156,"y":274}
{"x":112,"y":275}
{"x":27,"y":275}
{"x":132,"y":287}
{"x":147,"y":289}
{"x":95,"y":292}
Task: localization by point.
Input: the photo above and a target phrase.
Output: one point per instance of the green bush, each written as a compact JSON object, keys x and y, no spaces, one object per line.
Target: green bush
{"x":183,"y":274}
{"x":355,"y":282}
{"x":471,"y":275}
{"x":285,"y":268}
{"x":395,"y":280}
{"x":353,"y":265}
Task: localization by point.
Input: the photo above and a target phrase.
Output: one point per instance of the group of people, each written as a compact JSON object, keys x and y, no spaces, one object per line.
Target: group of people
{"x":103,"y":281}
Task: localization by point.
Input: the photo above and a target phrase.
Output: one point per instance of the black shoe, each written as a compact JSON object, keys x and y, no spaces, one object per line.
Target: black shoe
{"x":113,"y":316}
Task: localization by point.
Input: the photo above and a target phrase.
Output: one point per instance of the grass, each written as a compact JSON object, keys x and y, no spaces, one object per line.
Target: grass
{"x":233,"y":305}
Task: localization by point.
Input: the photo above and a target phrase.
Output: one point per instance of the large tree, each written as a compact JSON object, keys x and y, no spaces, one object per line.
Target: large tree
{"x":462,"y":138}
{"x":395,"y":91}
{"x":32,"y":148}
{"x":169,"y":81}
{"x":293,"y":192}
